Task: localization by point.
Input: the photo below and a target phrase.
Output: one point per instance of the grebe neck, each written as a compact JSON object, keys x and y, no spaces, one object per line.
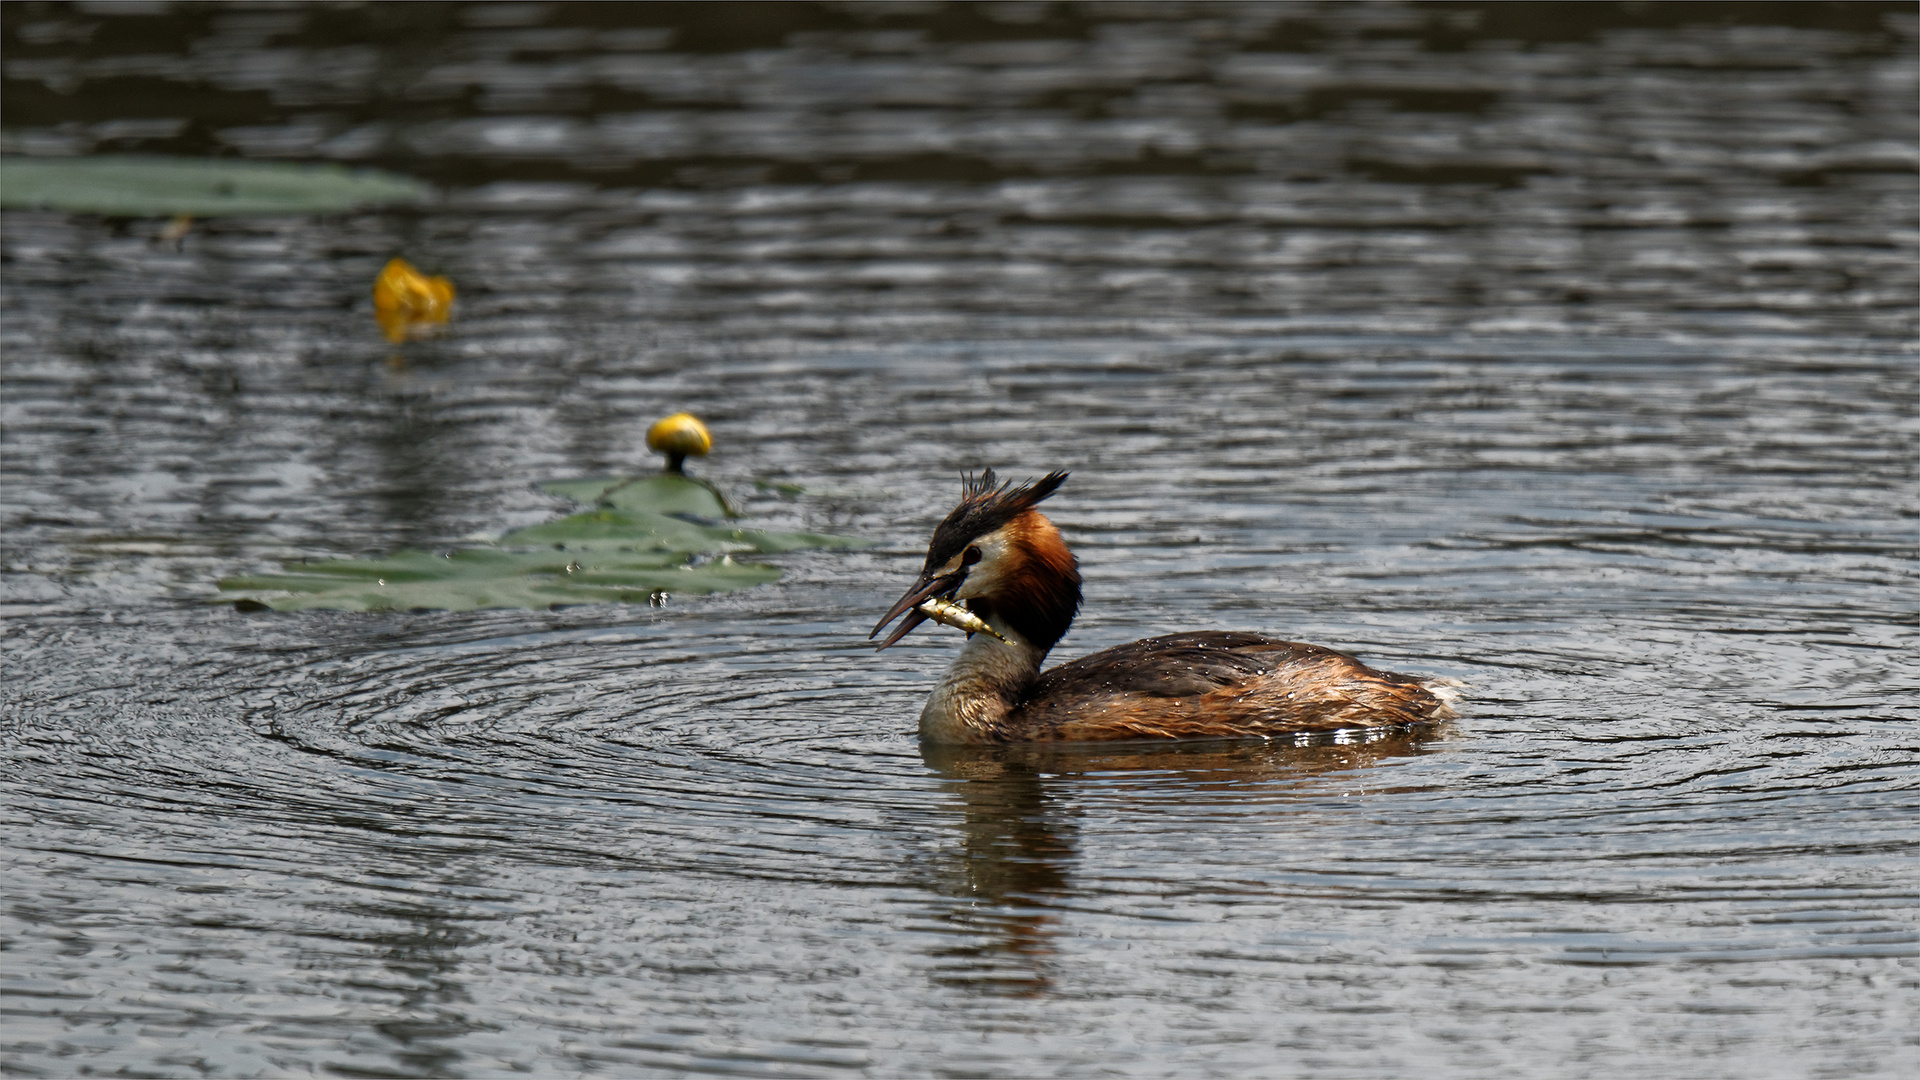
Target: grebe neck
{"x":981,"y":686}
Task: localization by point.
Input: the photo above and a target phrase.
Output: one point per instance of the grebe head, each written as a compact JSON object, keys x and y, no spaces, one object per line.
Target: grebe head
{"x":1001,"y":556}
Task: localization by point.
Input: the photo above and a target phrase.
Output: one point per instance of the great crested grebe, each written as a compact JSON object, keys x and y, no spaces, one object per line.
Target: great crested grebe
{"x":998,"y":569}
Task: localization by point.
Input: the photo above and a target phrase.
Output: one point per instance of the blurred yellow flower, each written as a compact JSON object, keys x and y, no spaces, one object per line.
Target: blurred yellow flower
{"x":677,"y":436}
{"x":407,"y":302}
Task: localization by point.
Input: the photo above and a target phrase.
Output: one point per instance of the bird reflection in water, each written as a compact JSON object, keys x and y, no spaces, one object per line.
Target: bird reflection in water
{"x":1012,"y":873}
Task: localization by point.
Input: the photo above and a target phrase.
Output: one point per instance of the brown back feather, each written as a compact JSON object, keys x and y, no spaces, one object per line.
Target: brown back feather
{"x":1218,"y":685}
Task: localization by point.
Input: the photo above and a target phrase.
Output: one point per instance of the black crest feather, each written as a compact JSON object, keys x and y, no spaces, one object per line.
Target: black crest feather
{"x":985,"y":507}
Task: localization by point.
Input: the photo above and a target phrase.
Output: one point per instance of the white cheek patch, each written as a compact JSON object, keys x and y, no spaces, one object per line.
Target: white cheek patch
{"x":986,"y":576}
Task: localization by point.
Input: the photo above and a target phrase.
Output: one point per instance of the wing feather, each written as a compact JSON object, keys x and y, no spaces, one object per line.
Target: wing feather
{"x":1217,"y":685}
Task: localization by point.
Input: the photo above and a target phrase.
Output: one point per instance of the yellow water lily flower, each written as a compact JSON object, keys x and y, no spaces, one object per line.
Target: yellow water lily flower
{"x":678,"y":436}
{"x":408,"y":303}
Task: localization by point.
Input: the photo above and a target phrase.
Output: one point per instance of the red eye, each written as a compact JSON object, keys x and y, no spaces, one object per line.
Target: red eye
{"x":970,"y":556}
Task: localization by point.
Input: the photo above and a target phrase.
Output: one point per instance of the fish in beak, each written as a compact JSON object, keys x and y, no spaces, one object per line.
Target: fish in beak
{"x":930,"y":586}
{"x":932,"y":598}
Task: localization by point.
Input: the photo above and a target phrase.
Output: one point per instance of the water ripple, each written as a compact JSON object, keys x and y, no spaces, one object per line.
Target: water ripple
{"x":1564,"y":350}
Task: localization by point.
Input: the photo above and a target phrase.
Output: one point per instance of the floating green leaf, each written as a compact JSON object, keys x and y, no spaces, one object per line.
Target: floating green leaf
{"x":643,"y":536}
{"x":669,"y":511}
{"x":478,"y":578}
{"x":662,"y":493}
{"x":607,"y":529}
{"x":159,"y":186}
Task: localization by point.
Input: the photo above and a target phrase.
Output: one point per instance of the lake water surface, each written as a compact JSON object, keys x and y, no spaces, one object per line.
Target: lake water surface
{"x":1568,"y":350}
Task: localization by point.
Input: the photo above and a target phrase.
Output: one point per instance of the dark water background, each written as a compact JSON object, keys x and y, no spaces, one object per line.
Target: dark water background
{"x":1567,"y":349}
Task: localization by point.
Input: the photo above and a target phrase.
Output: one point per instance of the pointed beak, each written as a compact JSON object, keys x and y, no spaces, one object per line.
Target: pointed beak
{"x":926,"y":588}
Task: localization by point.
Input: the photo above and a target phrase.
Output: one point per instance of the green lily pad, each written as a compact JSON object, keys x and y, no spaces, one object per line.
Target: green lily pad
{"x":607,"y":529}
{"x":662,"y":493}
{"x":665,"y":510}
{"x":642,"y":536}
{"x":207,"y":187}
{"x":479,"y":578}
